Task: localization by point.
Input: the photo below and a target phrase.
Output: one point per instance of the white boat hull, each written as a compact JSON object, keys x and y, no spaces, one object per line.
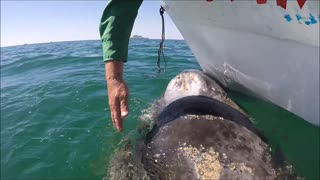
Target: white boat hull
{"x":264,"y":49}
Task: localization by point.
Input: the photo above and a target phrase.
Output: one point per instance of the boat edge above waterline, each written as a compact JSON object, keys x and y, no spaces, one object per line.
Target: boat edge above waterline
{"x":271,"y":51}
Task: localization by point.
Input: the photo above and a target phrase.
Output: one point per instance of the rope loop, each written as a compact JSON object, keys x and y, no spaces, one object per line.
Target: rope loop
{"x":160,"y":50}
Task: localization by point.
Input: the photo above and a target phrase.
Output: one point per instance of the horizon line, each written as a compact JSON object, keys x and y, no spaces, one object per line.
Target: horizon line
{"x":73,"y":41}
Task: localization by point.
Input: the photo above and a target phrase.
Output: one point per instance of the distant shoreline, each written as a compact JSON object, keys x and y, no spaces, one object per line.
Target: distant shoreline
{"x":138,"y":37}
{"x":38,"y":43}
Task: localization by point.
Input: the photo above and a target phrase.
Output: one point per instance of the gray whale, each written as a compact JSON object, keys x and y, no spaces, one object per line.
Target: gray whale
{"x":200,"y":133}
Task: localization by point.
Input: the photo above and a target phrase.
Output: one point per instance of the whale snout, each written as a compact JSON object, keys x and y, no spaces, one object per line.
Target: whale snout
{"x":188,"y":83}
{"x":194,"y":83}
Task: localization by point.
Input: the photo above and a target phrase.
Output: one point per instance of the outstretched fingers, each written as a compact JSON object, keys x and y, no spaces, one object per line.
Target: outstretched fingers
{"x":116,"y":114}
{"x":124,"y":107}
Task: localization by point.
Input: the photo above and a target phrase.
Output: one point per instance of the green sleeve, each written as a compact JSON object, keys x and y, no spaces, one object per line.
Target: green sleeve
{"x":116,"y":26}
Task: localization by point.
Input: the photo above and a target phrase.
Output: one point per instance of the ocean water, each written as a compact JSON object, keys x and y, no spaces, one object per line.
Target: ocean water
{"x":55,"y":121}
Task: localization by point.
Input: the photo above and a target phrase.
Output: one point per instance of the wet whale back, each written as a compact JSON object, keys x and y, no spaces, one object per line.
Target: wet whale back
{"x":200,"y":133}
{"x":201,"y":105}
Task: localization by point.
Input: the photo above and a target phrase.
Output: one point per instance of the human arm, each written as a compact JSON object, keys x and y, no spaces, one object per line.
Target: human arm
{"x":115,"y":30}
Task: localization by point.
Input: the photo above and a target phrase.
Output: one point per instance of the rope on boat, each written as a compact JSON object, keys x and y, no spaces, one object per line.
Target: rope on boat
{"x":160,"y":50}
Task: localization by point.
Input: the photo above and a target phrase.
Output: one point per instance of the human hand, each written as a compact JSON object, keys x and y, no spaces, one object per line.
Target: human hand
{"x":117,"y":92}
{"x":118,"y":102}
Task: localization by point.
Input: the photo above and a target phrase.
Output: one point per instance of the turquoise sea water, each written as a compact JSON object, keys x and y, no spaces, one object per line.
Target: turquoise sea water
{"x":55,"y":121}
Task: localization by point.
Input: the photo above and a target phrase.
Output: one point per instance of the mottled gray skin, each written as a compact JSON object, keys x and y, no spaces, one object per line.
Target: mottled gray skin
{"x":239,"y":152}
{"x":194,"y":83}
{"x":238,"y":144}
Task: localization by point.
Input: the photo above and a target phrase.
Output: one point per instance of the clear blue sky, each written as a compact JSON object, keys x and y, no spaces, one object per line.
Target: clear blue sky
{"x":26,"y":22}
